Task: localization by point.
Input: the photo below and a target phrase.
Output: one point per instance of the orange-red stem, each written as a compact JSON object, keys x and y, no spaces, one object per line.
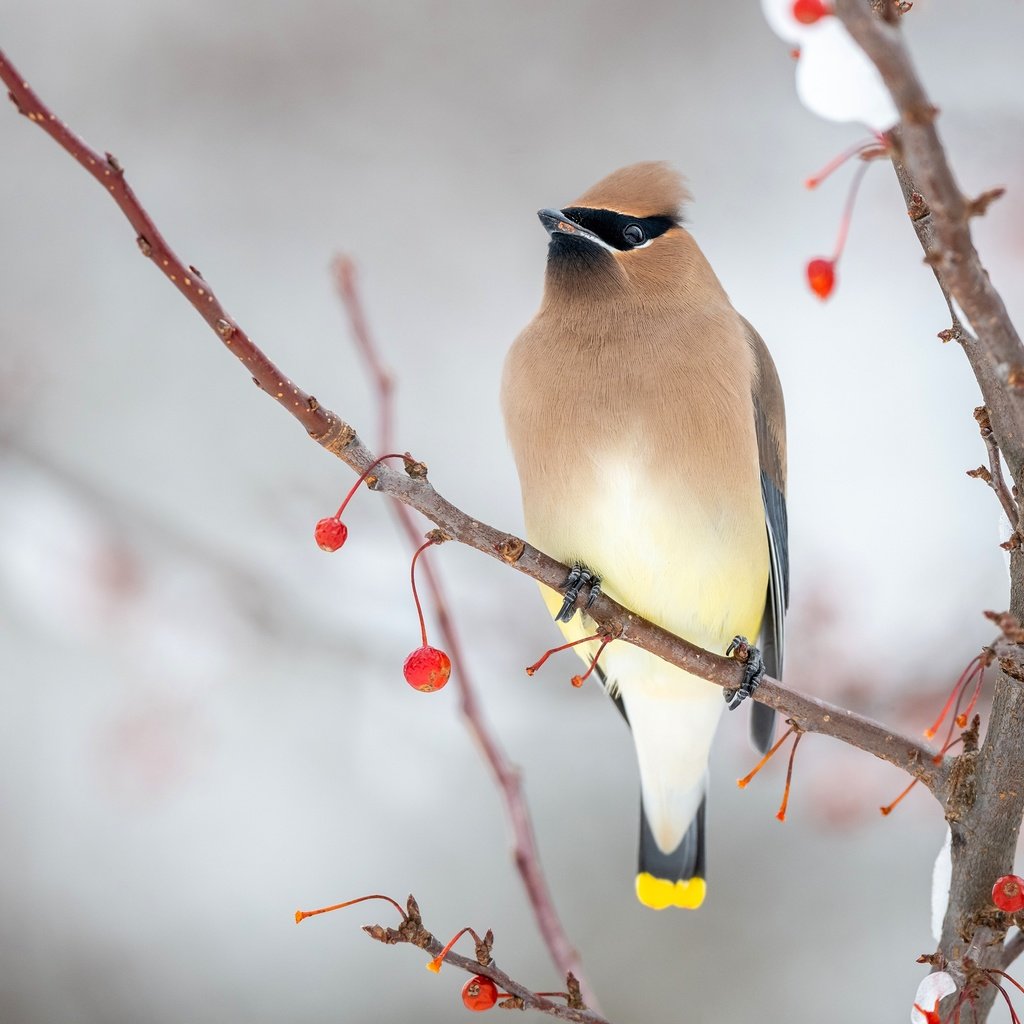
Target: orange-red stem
{"x":836,"y":162}
{"x":362,"y":476}
{"x":967,"y":673}
{"x":435,"y":964}
{"x":531,"y":669}
{"x":745,"y":781}
{"x":580,"y":680}
{"x":301,"y":915}
{"x":889,"y":808}
{"x":415,"y":594}
{"x":781,"y":812}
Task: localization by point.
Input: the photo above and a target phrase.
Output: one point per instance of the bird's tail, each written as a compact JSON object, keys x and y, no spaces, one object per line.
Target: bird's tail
{"x":673,"y":879}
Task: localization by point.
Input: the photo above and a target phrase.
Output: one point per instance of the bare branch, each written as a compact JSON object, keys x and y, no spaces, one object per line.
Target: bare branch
{"x":994,"y":475}
{"x":338,"y":437}
{"x":411,"y":931}
{"x":994,"y":349}
{"x":985,"y":799}
{"x":507,"y":778}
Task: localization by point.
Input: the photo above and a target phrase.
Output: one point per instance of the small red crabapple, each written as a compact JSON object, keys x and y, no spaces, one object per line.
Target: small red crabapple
{"x":821,"y":276}
{"x":1008,"y":893}
{"x":427,"y":669}
{"x":807,"y":12}
{"x":330,"y":534}
{"x":479,"y":993}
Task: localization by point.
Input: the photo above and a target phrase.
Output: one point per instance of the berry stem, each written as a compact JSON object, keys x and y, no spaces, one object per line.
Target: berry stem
{"x":580,"y":680}
{"x":531,"y":669}
{"x":844,"y":224}
{"x":836,"y":162}
{"x":1014,"y":1019}
{"x":889,"y":808}
{"x":967,"y":674}
{"x":415,"y":593}
{"x":435,"y":964}
{"x":1003,"y":974}
{"x":362,"y":476}
{"x":781,"y":812}
{"x":301,"y":915}
{"x":746,"y":780}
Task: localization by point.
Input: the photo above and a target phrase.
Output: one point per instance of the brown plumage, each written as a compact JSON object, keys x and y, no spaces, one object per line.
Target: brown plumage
{"x":644,"y":414}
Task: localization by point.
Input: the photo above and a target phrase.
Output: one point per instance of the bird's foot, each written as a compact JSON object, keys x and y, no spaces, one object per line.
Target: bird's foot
{"x":577,"y":579}
{"x":753,"y":671}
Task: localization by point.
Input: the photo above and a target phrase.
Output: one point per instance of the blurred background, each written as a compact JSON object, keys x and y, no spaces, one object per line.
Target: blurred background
{"x":204,"y":720}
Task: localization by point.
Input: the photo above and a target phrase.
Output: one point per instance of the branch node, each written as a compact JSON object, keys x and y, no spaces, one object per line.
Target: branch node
{"x":225,"y":329}
{"x":337,"y":437}
{"x":195,"y":270}
{"x":114,"y":164}
{"x":950,"y":334}
{"x":414,"y":468}
{"x":144,"y":247}
{"x":438,"y":536}
{"x":917,"y":208}
{"x":484,"y":947}
{"x":978,"y":206}
{"x":312,"y":404}
{"x":510,"y":549}
{"x":574,"y":997}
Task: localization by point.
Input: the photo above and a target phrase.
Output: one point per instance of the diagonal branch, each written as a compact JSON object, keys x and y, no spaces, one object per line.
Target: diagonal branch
{"x":338,"y":437}
{"x":506,"y":776}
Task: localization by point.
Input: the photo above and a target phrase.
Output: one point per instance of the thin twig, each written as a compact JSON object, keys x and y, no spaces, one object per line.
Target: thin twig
{"x":338,"y":437}
{"x":994,"y":477}
{"x":527,"y":856}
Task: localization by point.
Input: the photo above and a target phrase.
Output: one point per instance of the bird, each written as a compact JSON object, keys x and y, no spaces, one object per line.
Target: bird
{"x":646,"y":420}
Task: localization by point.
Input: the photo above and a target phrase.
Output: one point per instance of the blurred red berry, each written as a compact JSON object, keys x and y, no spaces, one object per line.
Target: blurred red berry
{"x":479,"y":993}
{"x":427,"y":669}
{"x":330,"y":534}
{"x":821,"y":276}
{"x":1008,"y":893}
{"x":807,"y":12}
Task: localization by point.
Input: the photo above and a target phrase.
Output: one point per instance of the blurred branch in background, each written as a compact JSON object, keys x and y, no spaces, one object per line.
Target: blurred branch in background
{"x":506,"y":776}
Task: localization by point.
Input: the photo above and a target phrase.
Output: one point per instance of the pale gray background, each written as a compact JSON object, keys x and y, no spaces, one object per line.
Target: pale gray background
{"x":204,"y":723}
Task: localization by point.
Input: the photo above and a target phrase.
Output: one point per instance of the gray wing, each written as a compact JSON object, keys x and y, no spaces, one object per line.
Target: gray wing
{"x":770,"y":423}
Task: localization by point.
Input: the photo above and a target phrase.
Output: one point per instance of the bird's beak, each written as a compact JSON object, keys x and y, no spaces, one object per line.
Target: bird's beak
{"x":556,"y":223}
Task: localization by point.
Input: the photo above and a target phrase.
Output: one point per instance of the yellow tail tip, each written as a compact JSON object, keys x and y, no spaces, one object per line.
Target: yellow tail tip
{"x":659,"y":893}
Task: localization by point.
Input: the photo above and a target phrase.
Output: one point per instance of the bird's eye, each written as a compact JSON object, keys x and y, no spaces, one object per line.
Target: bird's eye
{"x":634,"y":234}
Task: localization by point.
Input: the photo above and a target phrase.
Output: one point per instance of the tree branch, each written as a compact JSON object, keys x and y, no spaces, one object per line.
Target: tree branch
{"x":339,"y":438}
{"x":985,"y":796}
{"x":411,"y":931}
{"x":506,"y":777}
{"x":942,"y":223}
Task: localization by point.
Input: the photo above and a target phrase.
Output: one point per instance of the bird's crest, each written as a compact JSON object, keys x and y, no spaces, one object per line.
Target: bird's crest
{"x":648,"y":189}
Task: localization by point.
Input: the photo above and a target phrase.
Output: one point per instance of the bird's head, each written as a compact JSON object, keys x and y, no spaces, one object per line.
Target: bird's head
{"x":622,"y":235}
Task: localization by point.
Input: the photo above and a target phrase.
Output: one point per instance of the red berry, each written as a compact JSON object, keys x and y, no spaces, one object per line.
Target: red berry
{"x":1008,"y":893}
{"x":807,"y":12}
{"x":821,"y":275}
{"x":330,"y":534}
{"x":479,"y":993}
{"x":427,"y":669}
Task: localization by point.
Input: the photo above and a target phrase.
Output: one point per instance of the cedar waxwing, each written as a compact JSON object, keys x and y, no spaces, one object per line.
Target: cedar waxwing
{"x":647,"y":424}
